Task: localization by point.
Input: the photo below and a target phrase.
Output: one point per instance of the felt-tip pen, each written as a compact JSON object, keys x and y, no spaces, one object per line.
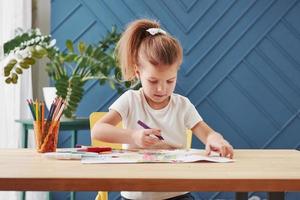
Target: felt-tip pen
{"x":94,"y":149}
{"x":142,"y":124}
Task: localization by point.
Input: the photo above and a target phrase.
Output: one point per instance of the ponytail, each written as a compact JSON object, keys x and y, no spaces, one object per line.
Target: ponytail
{"x":158,"y":47}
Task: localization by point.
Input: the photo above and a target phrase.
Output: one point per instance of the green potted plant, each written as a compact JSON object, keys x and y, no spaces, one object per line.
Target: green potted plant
{"x":68,"y":70}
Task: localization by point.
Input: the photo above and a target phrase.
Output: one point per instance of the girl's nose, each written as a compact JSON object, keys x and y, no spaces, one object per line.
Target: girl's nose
{"x":161,"y":87}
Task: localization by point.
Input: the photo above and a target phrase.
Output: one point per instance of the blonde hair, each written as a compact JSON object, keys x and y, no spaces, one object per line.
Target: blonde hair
{"x":158,"y":49}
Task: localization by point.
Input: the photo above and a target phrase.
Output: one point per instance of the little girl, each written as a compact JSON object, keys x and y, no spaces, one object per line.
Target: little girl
{"x":148,"y":53}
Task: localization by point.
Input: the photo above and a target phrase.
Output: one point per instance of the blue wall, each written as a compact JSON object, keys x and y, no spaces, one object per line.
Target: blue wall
{"x":241,"y":63}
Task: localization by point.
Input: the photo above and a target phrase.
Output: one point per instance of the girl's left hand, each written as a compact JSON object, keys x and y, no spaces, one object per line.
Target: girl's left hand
{"x":215,"y":142}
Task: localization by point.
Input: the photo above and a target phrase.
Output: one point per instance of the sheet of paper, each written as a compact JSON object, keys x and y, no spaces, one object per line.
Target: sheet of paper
{"x":154,"y":156}
{"x":69,"y":154}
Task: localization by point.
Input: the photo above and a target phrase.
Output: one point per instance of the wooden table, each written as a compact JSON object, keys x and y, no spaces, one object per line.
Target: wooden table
{"x":254,"y":170}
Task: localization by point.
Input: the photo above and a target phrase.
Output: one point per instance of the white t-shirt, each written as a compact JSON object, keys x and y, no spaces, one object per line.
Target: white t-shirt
{"x":173,"y":121}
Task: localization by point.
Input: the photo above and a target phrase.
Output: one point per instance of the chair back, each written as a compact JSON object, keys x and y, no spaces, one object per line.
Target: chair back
{"x":94,"y":117}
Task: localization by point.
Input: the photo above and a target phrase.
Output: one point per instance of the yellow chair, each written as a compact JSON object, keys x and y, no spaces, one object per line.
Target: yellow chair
{"x":94,"y":117}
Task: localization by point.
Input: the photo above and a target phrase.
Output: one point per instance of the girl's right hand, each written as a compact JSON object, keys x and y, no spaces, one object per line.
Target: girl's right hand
{"x":144,"y":138}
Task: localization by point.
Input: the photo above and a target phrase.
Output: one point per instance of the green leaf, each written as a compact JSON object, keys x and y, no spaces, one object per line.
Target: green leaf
{"x":81,"y":47}
{"x":112,"y":84}
{"x":18,"y":70}
{"x":9,"y":67}
{"x":127,"y":84}
{"x":15,"y":42}
{"x":89,"y":50}
{"x":41,"y":51}
{"x":102,"y":81}
{"x":70,"y":57}
{"x":24,"y":65}
{"x":98,"y":53}
{"x":8,"y":80}
{"x":82,"y":63}
{"x":120,"y":90}
{"x":69,"y":45}
{"x":74,"y":95}
{"x":29,"y":61}
{"x":6,"y":71}
{"x":12,"y":62}
{"x":36,"y":54}
{"x":61,"y":86}
{"x":14,"y":78}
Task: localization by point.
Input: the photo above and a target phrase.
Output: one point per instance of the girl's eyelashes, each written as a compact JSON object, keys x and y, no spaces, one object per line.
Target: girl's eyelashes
{"x":153,"y":81}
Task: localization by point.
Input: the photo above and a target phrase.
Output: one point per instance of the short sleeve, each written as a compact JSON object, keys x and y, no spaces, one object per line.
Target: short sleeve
{"x":192,"y":117}
{"x":121,"y":105}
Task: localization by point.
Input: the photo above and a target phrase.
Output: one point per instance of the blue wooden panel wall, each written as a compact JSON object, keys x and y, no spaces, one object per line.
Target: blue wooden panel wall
{"x":241,"y":62}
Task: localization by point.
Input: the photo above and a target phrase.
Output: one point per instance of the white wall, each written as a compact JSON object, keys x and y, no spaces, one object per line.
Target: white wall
{"x":40,"y":19}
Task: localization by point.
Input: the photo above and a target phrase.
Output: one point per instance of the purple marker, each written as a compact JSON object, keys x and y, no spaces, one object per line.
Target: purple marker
{"x":142,"y":124}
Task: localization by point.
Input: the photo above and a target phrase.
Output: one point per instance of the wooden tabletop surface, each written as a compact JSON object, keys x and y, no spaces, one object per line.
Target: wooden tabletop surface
{"x":253,"y":170}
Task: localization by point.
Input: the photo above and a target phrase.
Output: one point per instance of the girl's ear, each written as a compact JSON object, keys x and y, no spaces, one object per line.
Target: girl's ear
{"x":137,"y":72}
